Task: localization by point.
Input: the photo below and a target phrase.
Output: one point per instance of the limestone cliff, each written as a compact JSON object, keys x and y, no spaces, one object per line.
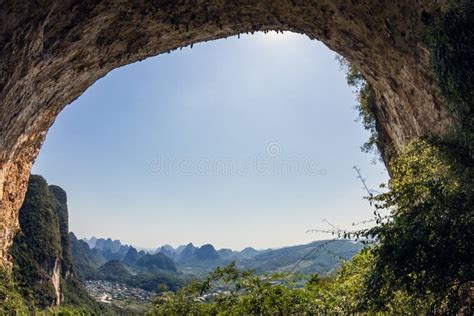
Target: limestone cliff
{"x":41,"y":250}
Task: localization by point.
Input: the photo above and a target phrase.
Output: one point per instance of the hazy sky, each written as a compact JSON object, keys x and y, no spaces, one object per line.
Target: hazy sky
{"x":236,"y":142}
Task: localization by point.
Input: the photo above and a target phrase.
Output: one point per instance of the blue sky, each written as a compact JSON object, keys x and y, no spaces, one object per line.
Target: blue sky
{"x":140,"y":153}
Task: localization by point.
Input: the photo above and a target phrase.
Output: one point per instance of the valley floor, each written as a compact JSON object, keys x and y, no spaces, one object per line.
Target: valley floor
{"x":119,"y":294}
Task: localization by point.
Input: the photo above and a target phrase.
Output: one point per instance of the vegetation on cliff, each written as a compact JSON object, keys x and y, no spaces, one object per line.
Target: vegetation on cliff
{"x":365,"y":104}
{"x":11,"y":300}
{"x":451,"y":42}
{"x":37,"y":248}
{"x":424,"y":246}
{"x":42,"y":254}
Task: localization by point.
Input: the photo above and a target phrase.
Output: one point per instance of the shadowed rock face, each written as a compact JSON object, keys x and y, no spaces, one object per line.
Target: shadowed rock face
{"x":52,"y":50}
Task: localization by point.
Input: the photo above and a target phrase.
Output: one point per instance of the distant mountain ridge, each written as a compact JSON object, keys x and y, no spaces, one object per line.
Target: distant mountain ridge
{"x":191,"y":259}
{"x":110,"y":249}
{"x":320,"y":257}
{"x":207,"y":252}
{"x":267,"y":260}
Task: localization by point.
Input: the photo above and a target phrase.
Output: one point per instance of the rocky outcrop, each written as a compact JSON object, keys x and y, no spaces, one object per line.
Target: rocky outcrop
{"x":41,"y":255}
{"x":42,"y":250}
{"x":56,"y":281}
{"x":52,"y":50}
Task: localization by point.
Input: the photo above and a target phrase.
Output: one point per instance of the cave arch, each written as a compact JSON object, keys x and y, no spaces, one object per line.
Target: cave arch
{"x":52,"y":51}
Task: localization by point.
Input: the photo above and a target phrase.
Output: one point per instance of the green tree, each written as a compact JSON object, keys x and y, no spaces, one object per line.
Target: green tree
{"x":425,"y":248}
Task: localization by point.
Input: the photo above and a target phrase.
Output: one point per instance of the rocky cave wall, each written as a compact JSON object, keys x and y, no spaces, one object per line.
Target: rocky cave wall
{"x":53,"y":50}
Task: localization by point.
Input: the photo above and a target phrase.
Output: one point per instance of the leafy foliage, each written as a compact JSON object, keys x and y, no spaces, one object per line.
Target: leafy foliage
{"x":11,"y":300}
{"x":229,"y":291}
{"x":365,"y":103}
{"x":65,"y":311}
{"x":425,"y":248}
{"x":68,"y":310}
{"x":453,"y":62}
{"x":247,"y":294}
